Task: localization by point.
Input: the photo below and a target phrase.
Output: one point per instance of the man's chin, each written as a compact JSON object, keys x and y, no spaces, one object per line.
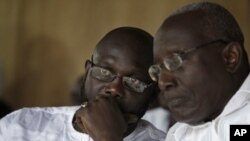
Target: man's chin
{"x":190,"y":118}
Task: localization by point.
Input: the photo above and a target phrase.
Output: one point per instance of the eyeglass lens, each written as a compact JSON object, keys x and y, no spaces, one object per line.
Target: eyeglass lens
{"x":106,"y":75}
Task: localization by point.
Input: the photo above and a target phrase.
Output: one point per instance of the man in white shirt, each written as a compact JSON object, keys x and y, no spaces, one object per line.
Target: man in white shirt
{"x":118,"y":89}
{"x":202,"y":70}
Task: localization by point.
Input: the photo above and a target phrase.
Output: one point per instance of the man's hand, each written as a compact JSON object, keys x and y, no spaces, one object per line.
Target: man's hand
{"x":102,"y":119}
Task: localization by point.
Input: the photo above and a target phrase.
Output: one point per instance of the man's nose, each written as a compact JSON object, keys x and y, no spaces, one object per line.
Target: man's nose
{"x":166,"y":81}
{"x":115,"y":88}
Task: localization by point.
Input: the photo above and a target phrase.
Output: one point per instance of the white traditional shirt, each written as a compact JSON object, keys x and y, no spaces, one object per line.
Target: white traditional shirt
{"x":159,"y":117}
{"x":237,"y":111}
{"x":55,"y":124}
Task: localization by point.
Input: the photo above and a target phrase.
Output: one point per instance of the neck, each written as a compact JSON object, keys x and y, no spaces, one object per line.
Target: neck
{"x":236,"y":81}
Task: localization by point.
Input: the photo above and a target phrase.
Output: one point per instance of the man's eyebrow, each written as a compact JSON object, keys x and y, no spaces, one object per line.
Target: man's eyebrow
{"x":133,"y":69}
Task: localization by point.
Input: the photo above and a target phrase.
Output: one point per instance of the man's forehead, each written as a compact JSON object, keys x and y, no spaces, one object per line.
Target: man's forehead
{"x":121,"y":58}
{"x":178,"y":33}
{"x":177,"y":38}
{"x":192,"y":20}
{"x":114,"y":54}
{"x":116,"y":51}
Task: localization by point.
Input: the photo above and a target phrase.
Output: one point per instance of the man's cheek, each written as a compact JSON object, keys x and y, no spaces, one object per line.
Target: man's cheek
{"x":90,"y":91}
{"x":130,"y":107}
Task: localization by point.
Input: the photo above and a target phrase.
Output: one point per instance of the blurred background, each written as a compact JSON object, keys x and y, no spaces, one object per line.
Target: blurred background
{"x":44,"y":43}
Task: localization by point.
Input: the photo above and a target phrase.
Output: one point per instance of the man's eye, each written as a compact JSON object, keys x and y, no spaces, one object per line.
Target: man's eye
{"x":105,"y":72}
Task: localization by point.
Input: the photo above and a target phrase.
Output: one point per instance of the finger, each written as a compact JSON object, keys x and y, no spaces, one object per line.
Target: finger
{"x":80,"y":113}
{"x":101,"y":96}
{"x":103,"y":99}
{"x":79,"y":126}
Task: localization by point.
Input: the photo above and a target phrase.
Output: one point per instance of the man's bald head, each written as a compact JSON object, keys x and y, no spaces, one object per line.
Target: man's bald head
{"x":214,"y":21}
{"x":134,"y":42}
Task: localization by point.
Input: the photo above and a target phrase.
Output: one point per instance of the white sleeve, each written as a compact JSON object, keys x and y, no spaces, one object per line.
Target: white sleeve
{"x":6,"y":122}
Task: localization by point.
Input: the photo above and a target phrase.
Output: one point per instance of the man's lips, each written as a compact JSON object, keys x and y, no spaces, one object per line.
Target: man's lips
{"x":176,"y":102}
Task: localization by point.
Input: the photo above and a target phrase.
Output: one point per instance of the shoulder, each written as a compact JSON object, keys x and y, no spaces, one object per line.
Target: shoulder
{"x":51,"y":123}
{"x":28,"y":117}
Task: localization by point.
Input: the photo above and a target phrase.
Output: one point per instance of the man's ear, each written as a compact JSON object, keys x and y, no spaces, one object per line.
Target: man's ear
{"x":232,"y":56}
{"x":87,"y":65}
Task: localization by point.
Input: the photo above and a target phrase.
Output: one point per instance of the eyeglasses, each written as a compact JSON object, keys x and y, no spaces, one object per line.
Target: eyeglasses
{"x":174,"y":61}
{"x":106,"y":75}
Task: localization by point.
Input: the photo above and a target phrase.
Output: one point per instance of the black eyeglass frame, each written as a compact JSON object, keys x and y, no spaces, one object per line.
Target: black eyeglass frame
{"x":145,"y":85}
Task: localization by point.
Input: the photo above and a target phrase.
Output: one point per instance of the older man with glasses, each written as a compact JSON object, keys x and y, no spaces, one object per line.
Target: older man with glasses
{"x":118,"y":89}
{"x":202,"y":71}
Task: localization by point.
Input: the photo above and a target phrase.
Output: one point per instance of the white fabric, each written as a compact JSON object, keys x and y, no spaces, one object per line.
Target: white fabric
{"x":55,"y":124}
{"x":235,"y":112}
{"x":159,"y":117}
